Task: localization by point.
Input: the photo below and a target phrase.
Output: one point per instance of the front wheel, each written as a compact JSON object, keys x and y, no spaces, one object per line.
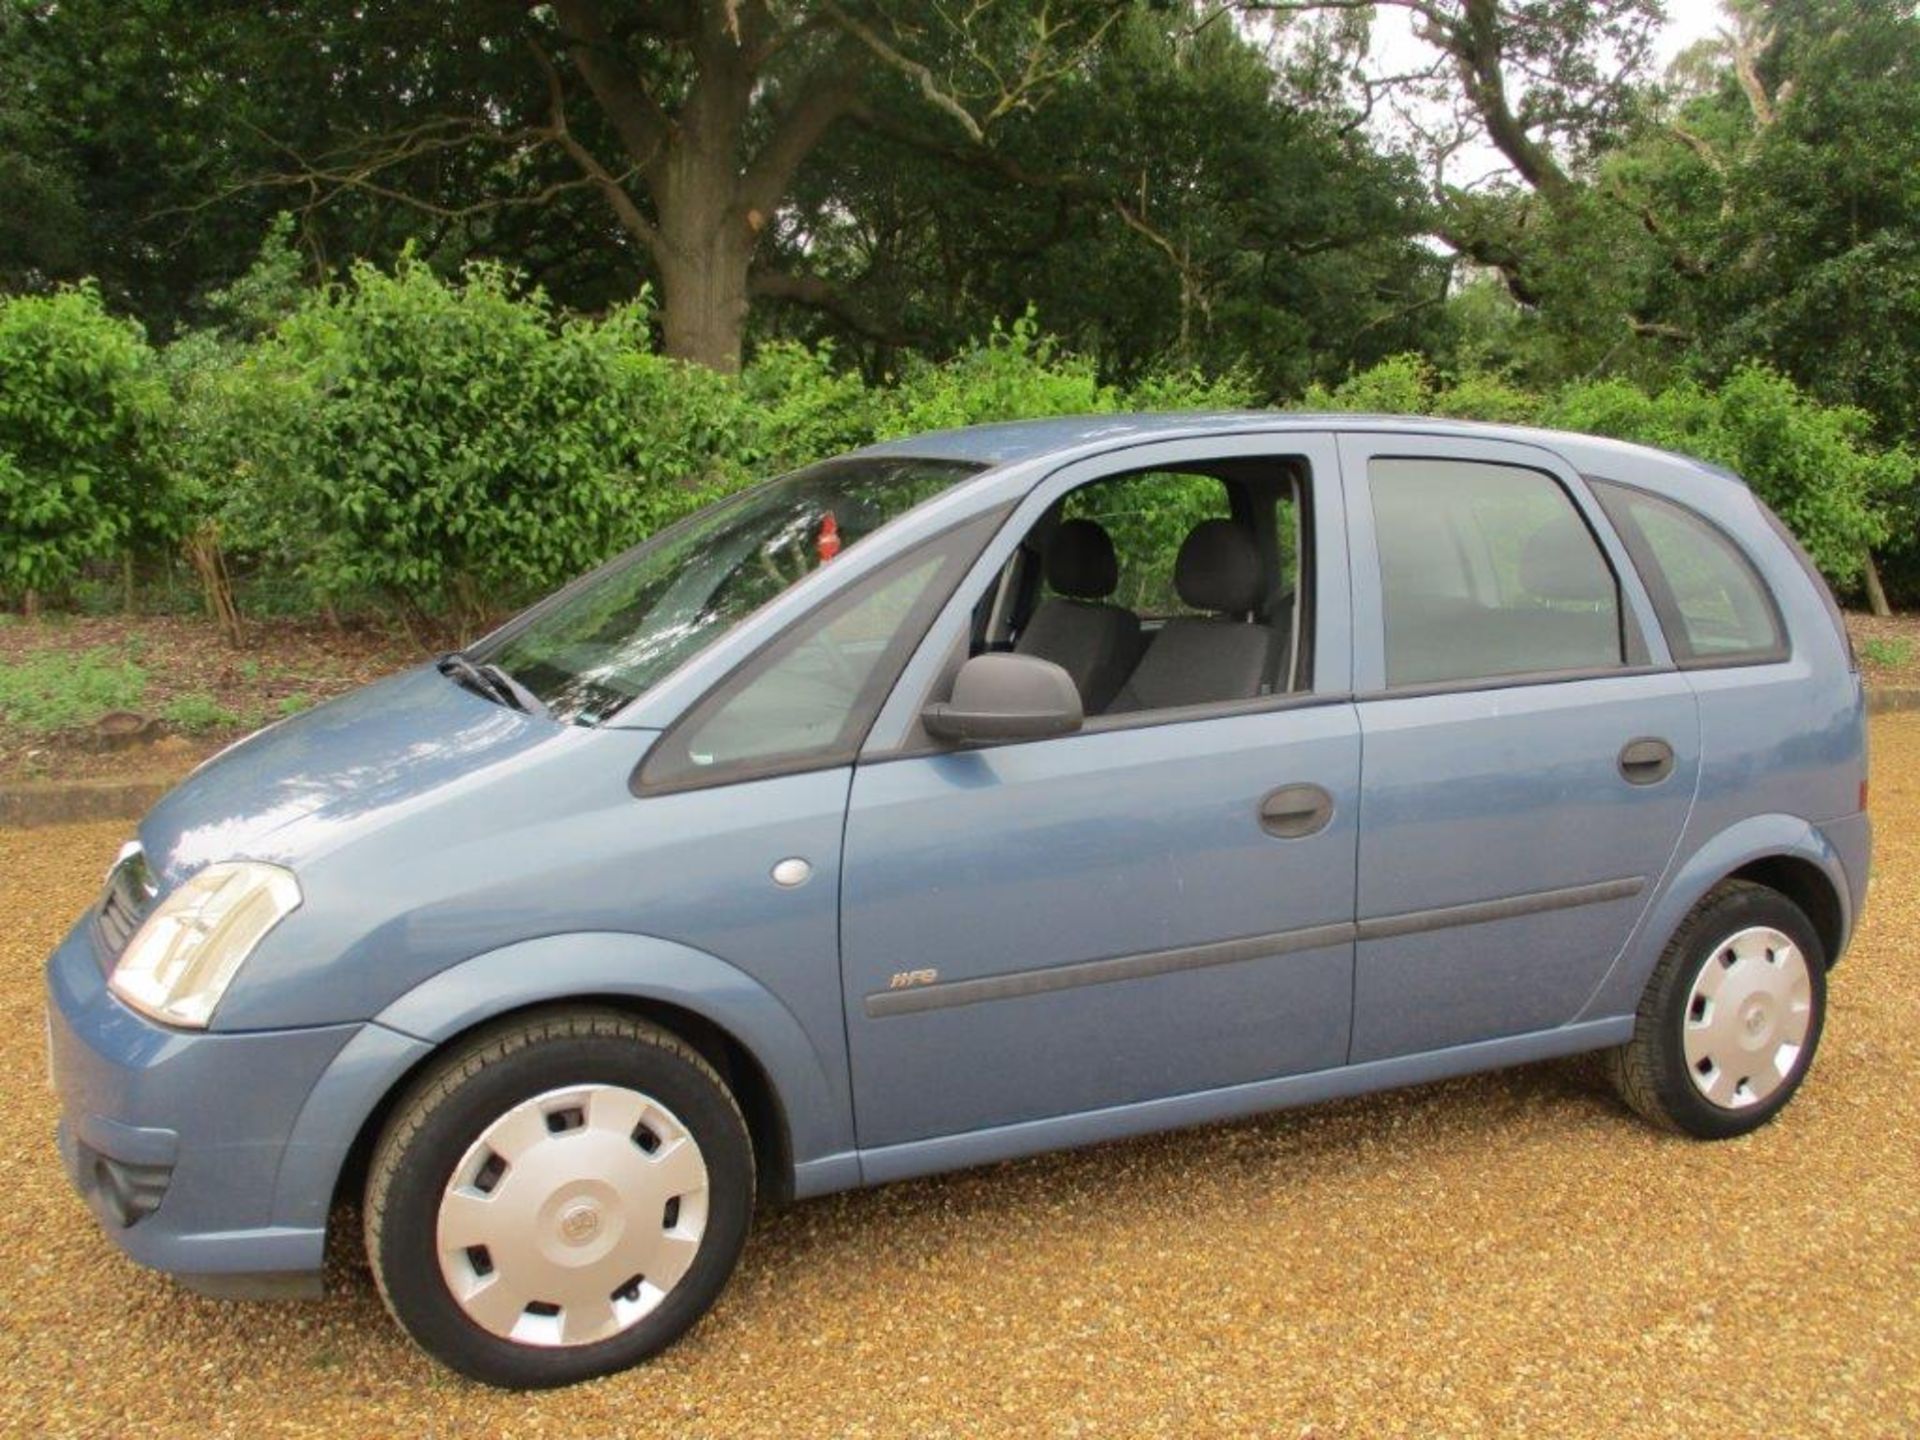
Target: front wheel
{"x":560,"y":1198}
{"x":1731,"y":1016}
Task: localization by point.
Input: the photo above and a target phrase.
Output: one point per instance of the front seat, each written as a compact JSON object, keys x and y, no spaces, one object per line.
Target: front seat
{"x":1199,"y":660}
{"x":1075,"y":628}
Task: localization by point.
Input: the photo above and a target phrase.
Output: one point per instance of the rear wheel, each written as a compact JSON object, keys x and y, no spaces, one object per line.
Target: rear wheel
{"x":1731,"y":1016}
{"x":560,"y":1198}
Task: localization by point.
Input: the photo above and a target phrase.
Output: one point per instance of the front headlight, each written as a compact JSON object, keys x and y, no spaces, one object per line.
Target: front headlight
{"x":181,"y":960}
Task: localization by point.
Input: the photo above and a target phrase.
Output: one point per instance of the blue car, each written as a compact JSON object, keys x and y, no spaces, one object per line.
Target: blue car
{"x":966,"y":797}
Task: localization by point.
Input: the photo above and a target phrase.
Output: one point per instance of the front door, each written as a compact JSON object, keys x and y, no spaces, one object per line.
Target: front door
{"x":1530,"y":753}
{"x":1041,"y":929}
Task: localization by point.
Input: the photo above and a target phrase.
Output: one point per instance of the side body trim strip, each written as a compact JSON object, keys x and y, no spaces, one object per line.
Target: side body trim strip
{"x":1015,"y":984}
{"x":1387,"y":927}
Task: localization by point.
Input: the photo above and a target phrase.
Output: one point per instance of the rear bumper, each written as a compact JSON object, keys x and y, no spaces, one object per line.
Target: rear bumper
{"x":1851,"y":838}
{"x":175,"y":1139}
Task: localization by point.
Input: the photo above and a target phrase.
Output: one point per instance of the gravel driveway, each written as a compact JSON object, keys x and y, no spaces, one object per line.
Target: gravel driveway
{"x":1510,"y":1254}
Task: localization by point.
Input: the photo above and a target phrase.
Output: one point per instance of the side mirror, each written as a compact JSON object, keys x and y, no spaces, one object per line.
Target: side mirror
{"x":1006,"y":697}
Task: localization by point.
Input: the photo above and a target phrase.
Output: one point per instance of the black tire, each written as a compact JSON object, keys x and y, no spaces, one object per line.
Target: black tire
{"x":482,"y":1078}
{"x":1650,"y":1071}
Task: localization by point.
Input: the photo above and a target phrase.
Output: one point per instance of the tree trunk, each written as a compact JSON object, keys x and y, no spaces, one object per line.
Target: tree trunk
{"x":703,"y":304}
{"x":216,"y":587}
{"x":704,"y":249}
{"x":1876,"y":592}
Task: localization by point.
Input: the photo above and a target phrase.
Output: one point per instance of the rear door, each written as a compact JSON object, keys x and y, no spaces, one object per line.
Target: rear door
{"x":1530,"y":753}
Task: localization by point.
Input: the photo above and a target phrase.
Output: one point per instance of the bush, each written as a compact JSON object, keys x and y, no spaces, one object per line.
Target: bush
{"x":196,"y":711}
{"x":456,"y":444}
{"x":82,"y":410}
{"x":1016,"y":374}
{"x":1398,"y":385}
{"x":802,"y":409}
{"x":1813,"y":463}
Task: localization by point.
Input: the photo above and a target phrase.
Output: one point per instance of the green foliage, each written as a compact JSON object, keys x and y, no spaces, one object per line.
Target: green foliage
{"x":1017,"y":374}
{"x":460,"y":446}
{"x":271,"y":288}
{"x":82,"y":410}
{"x":1148,"y":516}
{"x":455,"y":444}
{"x":1814,"y":464}
{"x":42,"y":222}
{"x":1398,"y":385}
{"x":1186,"y":388}
{"x":1888,"y":653}
{"x":804,"y":408}
{"x":57,"y":690}
{"x":196,"y":711}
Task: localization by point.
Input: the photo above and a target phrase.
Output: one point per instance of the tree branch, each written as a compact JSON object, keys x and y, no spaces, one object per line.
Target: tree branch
{"x":612,"y":187}
{"x":643,"y":127}
{"x":824,"y":99}
{"x":913,"y":69}
{"x":818,"y":293}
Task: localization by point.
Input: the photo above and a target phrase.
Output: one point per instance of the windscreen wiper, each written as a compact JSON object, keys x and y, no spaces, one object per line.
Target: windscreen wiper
{"x":492,"y":682}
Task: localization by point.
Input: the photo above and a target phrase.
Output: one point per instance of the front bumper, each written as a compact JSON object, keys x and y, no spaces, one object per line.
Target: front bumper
{"x":176,"y":1138}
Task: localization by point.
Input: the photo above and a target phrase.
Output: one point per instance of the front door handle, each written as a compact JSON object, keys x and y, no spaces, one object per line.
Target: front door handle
{"x":1295,"y":811}
{"x":1646,"y":761}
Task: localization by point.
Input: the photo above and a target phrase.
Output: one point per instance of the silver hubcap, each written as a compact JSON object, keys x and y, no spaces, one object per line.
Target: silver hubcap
{"x":1747,"y":1017}
{"x":572,"y":1216}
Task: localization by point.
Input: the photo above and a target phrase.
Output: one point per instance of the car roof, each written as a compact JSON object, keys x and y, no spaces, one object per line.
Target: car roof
{"x":1013,"y":442}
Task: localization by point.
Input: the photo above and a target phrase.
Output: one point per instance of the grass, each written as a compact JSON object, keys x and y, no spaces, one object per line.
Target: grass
{"x":54,"y":691}
{"x":1888,"y":653}
{"x":196,"y":711}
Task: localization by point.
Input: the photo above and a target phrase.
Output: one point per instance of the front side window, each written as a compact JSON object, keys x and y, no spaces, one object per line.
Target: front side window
{"x":1148,"y":515}
{"x":1487,"y":570}
{"x":1160,"y":590}
{"x":601,"y":646}
{"x":1713,"y":605}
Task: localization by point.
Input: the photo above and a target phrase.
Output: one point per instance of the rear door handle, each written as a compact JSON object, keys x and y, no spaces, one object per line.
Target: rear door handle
{"x":1646,"y":761}
{"x":1295,"y":811}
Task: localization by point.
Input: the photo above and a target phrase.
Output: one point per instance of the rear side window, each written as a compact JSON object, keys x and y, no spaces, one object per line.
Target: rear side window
{"x":1487,"y":570}
{"x":1713,"y":605}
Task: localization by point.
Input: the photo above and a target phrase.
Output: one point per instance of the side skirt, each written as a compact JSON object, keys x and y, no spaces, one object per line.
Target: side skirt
{"x":1091,"y":1127}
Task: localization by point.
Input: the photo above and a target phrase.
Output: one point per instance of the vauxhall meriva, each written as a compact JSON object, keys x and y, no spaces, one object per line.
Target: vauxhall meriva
{"x":966,"y":797}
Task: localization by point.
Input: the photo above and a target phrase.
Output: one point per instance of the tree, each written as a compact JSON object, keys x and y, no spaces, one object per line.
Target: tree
{"x":1138,"y":169}
{"x":40,"y":221}
{"x":686,"y":122}
{"x":1779,"y":188}
{"x":1187,"y":196}
{"x":1548,"y":84}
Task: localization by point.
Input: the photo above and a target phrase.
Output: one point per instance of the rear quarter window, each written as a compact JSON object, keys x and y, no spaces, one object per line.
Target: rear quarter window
{"x":1712,"y":603}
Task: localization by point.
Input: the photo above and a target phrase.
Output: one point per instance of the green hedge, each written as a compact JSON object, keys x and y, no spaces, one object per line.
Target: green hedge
{"x":83,"y":414}
{"x":1814,"y":464}
{"x":455,"y":446}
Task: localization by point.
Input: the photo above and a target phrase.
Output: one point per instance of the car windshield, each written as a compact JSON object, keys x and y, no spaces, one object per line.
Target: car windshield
{"x":626,"y":626}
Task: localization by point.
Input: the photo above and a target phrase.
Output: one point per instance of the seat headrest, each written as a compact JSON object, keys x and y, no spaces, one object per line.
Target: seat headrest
{"x":1080,"y":560}
{"x":1218,"y":568}
{"x":1558,"y":562}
